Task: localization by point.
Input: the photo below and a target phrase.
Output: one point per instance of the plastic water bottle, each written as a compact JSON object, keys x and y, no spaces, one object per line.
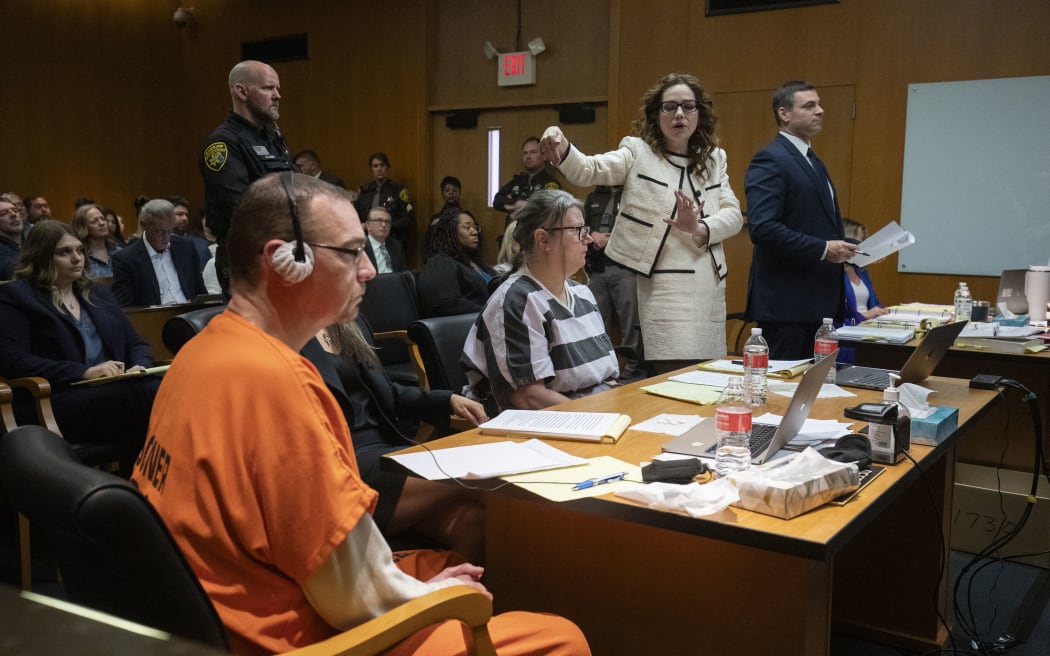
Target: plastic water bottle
{"x":824,"y":344}
{"x":963,"y":303}
{"x":733,"y":425}
{"x":756,"y":368}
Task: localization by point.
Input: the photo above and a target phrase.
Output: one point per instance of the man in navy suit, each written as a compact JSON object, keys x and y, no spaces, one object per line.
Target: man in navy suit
{"x":796,"y":229}
{"x":159,"y":269}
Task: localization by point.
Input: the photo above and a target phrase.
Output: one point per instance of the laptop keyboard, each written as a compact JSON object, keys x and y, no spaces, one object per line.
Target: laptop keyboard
{"x":873,"y":379}
{"x":761,"y":436}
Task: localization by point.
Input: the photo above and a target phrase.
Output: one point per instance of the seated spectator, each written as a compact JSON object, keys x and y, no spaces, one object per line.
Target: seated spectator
{"x":37,"y":209}
{"x":91,"y":228}
{"x":540,"y":339}
{"x":386,"y":254}
{"x":380,"y":413}
{"x":184,"y":228}
{"x":261,"y":490}
{"x":211,"y":277}
{"x":310,"y":164}
{"x":11,"y":228}
{"x":861,"y":302}
{"x":508,"y":248}
{"x":60,"y":325}
{"x":116,"y":226}
{"x":454,"y":279}
{"x":159,"y":269}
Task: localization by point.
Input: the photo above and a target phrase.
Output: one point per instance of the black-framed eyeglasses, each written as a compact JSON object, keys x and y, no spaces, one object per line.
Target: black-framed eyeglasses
{"x":671,"y":107}
{"x":354,"y":253}
{"x":582,"y":232}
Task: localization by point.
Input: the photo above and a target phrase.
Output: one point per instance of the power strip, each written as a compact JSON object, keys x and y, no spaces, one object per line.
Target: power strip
{"x":986,"y":382}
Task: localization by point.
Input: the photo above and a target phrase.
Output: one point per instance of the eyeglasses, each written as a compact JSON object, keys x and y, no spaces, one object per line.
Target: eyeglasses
{"x":383,"y":221}
{"x":671,"y":107}
{"x":6,"y":212}
{"x":582,"y":232}
{"x":354,"y":253}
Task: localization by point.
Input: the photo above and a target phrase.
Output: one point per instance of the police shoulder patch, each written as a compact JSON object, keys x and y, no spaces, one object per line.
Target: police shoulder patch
{"x":552,"y":185}
{"x":404,"y":195}
{"x":215,"y":155}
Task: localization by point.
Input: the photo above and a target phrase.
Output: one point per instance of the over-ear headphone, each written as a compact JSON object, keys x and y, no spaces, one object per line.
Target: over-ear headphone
{"x":293,"y":261}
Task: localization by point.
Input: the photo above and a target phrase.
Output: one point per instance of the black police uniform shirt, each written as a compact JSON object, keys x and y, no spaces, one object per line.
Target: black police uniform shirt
{"x":396,"y":199}
{"x":236,"y":154}
{"x":601,"y":217}
{"x":521,"y":187}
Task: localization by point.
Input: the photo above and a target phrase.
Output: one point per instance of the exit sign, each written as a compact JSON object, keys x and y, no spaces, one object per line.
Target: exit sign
{"x":516,"y":68}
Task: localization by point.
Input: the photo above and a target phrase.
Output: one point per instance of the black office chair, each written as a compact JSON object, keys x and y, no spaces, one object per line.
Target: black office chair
{"x":743,"y":331}
{"x":440,"y":341}
{"x":113,"y":550}
{"x":182,"y":327}
{"x":116,"y":555}
{"x":390,"y":305}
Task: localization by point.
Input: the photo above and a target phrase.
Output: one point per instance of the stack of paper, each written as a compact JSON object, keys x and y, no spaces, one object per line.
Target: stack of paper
{"x":887,"y":241}
{"x":777,"y":368}
{"x":490,"y":460}
{"x":866,"y":333}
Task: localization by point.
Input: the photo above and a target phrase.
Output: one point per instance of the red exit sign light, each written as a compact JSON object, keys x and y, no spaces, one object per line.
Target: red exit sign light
{"x":516,"y":68}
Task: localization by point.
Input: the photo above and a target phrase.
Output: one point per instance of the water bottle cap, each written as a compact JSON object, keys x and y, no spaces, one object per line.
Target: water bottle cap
{"x":756,"y":331}
{"x":827,"y":320}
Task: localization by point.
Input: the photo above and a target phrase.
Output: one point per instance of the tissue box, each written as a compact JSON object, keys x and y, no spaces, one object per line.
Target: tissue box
{"x":785,"y":491}
{"x":932,"y":430}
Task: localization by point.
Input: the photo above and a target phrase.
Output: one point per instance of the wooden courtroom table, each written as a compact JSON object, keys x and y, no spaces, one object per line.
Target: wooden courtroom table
{"x":642,"y":581}
{"x":149,"y":322}
{"x":1007,"y":429}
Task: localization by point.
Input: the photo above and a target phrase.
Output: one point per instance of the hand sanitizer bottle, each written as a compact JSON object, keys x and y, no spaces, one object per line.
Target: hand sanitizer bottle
{"x":889,"y":441}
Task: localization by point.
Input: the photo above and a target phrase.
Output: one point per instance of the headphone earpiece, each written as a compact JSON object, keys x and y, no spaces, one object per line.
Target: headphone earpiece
{"x":293,"y":261}
{"x":289,"y":268}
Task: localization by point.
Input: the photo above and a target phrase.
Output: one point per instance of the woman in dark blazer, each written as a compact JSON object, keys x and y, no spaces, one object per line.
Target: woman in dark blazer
{"x":61,"y":326}
{"x":454,"y":279}
{"x":380,"y":413}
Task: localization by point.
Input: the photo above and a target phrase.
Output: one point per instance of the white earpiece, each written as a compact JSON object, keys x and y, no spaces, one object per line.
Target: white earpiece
{"x":286,"y":266}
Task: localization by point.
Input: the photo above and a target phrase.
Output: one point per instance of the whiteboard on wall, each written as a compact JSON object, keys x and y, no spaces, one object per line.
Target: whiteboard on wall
{"x":976,"y":188}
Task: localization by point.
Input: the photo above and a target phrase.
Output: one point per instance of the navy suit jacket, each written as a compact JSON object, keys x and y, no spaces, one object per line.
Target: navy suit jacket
{"x":36,"y":339}
{"x":135,"y":282}
{"x":397,"y":254}
{"x":790,"y":218}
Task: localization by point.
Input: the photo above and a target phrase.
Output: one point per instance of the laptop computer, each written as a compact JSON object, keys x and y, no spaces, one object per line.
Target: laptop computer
{"x":1011,"y":294}
{"x":923,"y":360}
{"x":766,"y":439}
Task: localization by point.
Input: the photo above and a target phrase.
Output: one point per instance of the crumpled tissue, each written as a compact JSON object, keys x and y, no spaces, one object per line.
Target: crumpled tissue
{"x":914,"y":398}
{"x":806,"y":481}
{"x":694,"y":499}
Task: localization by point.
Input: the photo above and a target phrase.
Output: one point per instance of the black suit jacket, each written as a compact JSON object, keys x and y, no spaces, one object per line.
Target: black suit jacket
{"x":332,"y":179}
{"x":135,"y":282}
{"x":397,"y":254}
{"x":36,"y":339}
{"x":790,"y":218}
{"x":391,"y":399}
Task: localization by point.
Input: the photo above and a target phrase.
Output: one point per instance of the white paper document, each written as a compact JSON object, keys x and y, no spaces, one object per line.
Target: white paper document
{"x":887,"y":241}
{"x":668,"y":424}
{"x":557,"y":485}
{"x":486,"y":460}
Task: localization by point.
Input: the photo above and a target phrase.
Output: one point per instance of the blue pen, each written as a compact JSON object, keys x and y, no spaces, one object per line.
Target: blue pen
{"x":591,"y":482}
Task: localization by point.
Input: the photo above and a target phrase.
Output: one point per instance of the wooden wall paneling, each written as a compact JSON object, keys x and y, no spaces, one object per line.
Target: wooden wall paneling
{"x":91,"y":101}
{"x":574,"y":66}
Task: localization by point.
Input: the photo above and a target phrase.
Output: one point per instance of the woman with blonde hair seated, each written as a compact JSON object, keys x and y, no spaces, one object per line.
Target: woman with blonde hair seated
{"x":540,"y":339}
{"x":380,"y":412}
{"x":93,"y":230}
{"x":861,"y":302}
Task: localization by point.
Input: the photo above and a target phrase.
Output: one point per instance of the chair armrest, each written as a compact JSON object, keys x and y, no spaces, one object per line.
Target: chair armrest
{"x":7,"y":412}
{"x":40,"y":390}
{"x":413,"y":351}
{"x":458,"y":602}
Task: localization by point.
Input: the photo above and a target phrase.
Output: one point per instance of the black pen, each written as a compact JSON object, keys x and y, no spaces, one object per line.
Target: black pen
{"x":862,"y":253}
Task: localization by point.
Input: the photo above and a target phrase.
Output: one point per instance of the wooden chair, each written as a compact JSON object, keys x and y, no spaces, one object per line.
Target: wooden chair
{"x":7,"y":423}
{"x":116,"y":555}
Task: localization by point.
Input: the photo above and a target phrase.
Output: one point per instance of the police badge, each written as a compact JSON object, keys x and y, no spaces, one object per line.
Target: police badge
{"x":215,"y":156}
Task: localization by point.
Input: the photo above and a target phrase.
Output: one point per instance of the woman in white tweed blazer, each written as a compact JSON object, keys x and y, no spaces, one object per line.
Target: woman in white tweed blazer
{"x":677,"y":209}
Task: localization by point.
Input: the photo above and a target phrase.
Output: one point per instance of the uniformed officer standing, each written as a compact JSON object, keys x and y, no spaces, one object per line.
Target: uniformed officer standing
{"x":513,"y":195}
{"x":247,"y":146}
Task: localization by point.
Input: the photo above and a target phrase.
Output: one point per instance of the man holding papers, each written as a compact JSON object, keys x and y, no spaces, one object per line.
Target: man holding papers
{"x":796,"y":228}
{"x":258,"y":482}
